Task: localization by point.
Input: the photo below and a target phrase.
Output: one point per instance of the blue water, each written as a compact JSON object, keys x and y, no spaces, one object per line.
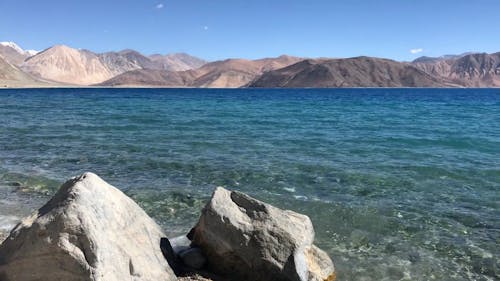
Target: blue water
{"x":401,"y":184}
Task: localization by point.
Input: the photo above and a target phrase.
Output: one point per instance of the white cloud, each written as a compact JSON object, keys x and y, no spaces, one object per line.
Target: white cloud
{"x":416,"y":51}
{"x":160,"y":6}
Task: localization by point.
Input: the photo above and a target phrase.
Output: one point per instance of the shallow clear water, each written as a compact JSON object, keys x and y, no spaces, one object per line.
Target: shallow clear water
{"x":400,"y":184}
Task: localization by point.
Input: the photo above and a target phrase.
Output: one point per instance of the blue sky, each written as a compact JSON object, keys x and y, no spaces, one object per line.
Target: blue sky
{"x":216,"y":29}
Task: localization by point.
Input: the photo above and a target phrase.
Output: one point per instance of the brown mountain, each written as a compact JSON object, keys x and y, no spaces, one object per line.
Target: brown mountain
{"x":235,"y":73}
{"x":351,"y":72}
{"x":148,"y":77}
{"x":67,"y":65}
{"x":437,"y":68}
{"x":11,"y":76}
{"x":470,"y":70}
{"x":62,"y":64}
{"x":231,"y":73}
{"x":477,"y":70}
{"x":177,"y":62}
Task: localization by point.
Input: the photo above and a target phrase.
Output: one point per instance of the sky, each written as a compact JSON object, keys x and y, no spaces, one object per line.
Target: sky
{"x":219,"y":29}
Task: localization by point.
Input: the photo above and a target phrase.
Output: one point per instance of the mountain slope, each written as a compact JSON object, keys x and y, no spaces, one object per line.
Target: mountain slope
{"x":11,"y":76}
{"x":126,"y":60}
{"x":477,"y":70}
{"x":67,"y":65}
{"x":470,"y":70}
{"x":231,"y":73}
{"x":351,"y":72}
{"x":177,"y":62}
{"x":437,"y":68}
{"x":148,"y":77}
{"x":235,"y":73}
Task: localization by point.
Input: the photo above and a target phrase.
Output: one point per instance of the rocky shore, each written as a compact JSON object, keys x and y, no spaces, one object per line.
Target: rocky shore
{"x":90,"y":230}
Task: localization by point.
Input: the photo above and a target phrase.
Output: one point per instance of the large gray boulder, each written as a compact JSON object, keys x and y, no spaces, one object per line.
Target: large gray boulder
{"x":252,"y":240}
{"x":88,"y":231}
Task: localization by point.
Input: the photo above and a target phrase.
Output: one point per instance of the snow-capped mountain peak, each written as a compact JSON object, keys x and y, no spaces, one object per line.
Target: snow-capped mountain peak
{"x":13,"y":46}
{"x":31,"y":52}
{"x":19,"y":49}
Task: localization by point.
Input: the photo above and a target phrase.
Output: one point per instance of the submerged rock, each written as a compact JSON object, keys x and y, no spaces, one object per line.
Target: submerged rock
{"x":193,"y":258}
{"x":252,"y":240}
{"x":180,"y":243}
{"x":88,"y":231}
{"x":182,"y":255}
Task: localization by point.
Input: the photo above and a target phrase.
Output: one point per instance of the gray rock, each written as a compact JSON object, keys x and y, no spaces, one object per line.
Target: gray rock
{"x":193,"y":258}
{"x":88,"y":231}
{"x":243,"y":237}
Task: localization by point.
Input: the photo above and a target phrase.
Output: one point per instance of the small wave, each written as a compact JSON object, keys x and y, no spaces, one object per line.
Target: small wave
{"x":300,"y":197}
{"x":8,"y":222}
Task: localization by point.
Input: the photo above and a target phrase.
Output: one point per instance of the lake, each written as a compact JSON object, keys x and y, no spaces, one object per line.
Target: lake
{"x":400,"y":184}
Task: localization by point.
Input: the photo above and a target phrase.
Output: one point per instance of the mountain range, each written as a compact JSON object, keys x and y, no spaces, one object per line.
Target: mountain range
{"x":230,"y":73}
{"x":62,"y":66}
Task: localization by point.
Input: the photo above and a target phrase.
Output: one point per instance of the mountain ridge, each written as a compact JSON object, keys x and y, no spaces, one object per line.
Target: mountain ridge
{"x":469,"y":70}
{"x":64,"y":65}
{"x":67,"y":65}
{"x":229,"y":73}
{"x":350,"y":72}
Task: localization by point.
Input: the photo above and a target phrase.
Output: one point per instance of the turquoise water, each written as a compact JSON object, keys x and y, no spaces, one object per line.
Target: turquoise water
{"x":400,"y":184}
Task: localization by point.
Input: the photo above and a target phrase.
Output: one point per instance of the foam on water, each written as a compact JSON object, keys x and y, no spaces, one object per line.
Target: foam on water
{"x":7,"y":222}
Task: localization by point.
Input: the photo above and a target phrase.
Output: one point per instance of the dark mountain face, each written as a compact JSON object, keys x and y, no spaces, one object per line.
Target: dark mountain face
{"x":149,"y":77}
{"x":352,"y":72}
